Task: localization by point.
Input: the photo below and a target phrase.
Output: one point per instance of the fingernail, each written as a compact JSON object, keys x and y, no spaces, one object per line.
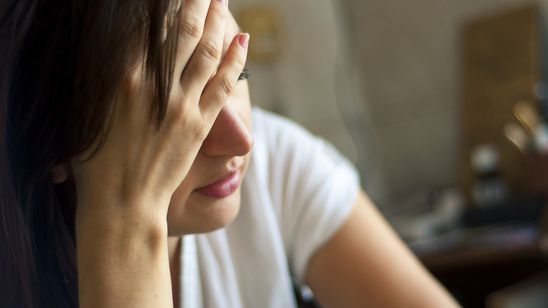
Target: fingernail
{"x":225,"y":2}
{"x":243,"y":40}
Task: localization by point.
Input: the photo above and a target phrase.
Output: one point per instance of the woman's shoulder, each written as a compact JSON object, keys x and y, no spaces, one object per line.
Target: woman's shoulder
{"x":291,"y":161}
{"x":310,"y":186}
{"x":269,"y":123}
{"x":278,"y":135}
{"x":281,"y":139}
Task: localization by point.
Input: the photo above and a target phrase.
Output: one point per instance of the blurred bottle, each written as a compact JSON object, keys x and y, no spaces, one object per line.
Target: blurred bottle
{"x":489,"y":187}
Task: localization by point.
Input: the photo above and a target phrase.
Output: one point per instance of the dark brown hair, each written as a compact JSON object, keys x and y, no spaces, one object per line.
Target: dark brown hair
{"x":60,"y":65}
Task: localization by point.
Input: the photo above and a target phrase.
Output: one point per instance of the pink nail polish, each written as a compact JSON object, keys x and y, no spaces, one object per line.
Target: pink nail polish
{"x":243,"y":40}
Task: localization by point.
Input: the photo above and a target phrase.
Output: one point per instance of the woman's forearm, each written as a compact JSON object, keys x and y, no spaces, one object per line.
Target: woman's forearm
{"x":122,"y":259}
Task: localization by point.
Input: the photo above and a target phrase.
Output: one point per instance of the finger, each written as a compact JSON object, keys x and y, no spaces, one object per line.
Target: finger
{"x":206,"y":56}
{"x":191,"y":27}
{"x":220,"y":87}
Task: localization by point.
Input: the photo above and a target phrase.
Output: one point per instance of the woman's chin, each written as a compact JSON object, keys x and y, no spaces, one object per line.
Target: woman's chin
{"x":202,"y":214}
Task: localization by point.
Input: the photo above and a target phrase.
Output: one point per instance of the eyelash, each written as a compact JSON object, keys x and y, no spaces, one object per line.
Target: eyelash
{"x":244,"y":75}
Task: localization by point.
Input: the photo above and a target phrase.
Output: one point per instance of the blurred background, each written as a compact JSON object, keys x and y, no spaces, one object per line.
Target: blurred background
{"x":442,"y":106}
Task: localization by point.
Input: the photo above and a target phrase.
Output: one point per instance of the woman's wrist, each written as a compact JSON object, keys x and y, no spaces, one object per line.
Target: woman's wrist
{"x":121,"y":254}
{"x":115,"y":199}
{"x":115,"y":217}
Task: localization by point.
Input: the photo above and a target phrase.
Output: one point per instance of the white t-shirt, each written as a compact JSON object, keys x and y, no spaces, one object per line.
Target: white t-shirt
{"x":297,"y":192}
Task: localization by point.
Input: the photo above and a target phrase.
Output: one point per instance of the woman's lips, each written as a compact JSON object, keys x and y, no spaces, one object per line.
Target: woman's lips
{"x":222,"y":188}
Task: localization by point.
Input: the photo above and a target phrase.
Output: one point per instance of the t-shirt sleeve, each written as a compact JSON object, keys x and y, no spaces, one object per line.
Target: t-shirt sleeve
{"x":313,"y":187}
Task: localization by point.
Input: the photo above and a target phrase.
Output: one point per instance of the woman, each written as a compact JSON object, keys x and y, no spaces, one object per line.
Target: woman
{"x":126,"y":134}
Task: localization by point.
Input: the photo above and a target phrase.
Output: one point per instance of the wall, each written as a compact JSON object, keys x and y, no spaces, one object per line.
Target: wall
{"x":406,"y":57}
{"x":409,"y":63}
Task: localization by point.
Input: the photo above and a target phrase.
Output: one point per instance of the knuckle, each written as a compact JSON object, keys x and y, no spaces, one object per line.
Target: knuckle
{"x":176,"y":111}
{"x":190,"y":27}
{"x":218,"y":12}
{"x":239,"y":61}
{"x":226,"y":85}
{"x":209,"y":50}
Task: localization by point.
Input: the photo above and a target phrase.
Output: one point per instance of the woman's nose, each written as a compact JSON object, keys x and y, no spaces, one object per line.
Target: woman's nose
{"x":229,"y":136}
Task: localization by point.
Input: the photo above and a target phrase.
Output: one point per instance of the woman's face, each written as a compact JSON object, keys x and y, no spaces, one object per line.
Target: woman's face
{"x":209,"y":197}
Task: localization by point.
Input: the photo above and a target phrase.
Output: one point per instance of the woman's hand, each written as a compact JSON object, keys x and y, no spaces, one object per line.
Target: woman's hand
{"x":124,"y":190}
